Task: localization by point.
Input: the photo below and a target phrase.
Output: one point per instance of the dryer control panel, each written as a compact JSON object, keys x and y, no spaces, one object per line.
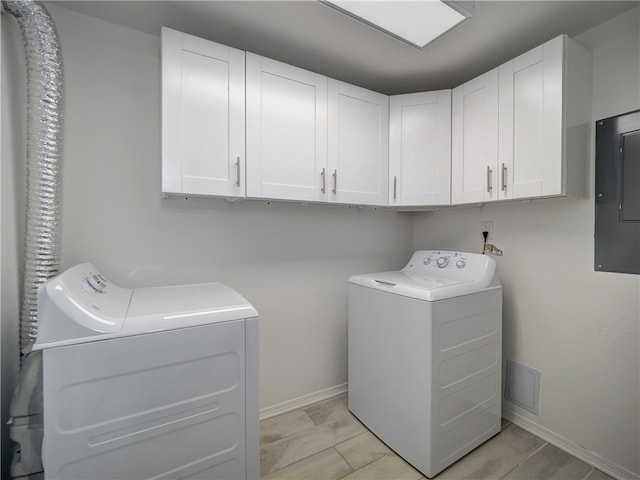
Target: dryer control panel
{"x":80,"y":303}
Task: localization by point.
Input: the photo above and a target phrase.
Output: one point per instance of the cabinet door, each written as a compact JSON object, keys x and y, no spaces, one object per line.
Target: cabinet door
{"x":358,"y":145}
{"x":286,"y":131}
{"x":531,"y":123}
{"x":420,"y":148}
{"x":474,"y":146}
{"x":202,"y":116}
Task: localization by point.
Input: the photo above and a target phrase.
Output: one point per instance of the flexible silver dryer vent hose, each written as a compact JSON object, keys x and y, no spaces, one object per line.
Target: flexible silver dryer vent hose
{"x":44,"y":148}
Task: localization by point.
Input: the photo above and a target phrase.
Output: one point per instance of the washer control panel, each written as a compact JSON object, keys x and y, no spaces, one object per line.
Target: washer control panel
{"x":439,"y":259}
{"x":451,"y":264}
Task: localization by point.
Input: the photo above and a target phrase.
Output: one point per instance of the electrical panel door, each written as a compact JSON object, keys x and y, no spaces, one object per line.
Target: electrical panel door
{"x":617,"y":204}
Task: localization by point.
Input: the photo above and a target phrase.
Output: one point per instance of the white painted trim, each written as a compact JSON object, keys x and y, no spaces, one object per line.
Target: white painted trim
{"x":303,"y":401}
{"x":568,"y":446}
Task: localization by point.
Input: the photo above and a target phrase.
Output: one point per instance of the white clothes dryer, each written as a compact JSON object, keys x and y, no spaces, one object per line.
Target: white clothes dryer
{"x":143,"y":383}
{"x":425,"y":356}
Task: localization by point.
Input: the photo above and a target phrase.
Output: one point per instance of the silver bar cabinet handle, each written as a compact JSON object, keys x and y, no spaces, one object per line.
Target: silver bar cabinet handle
{"x":335,"y":181}
{"x":489,"y":186}
{"x":395,"y":186}
{"x":238,"y":171}
{"x":504,"y":177}
{"x":324,"y":180}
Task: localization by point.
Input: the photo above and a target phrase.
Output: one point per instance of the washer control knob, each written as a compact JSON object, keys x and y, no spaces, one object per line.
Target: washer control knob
{"x":460,"y":263}
{"x":442,"y":262}
{"x":427,"y":260}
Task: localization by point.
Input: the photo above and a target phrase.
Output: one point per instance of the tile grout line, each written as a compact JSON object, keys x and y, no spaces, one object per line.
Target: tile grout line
{"x":368,"y":463}
{"x":589,"y":472}
{"x":313,"y":425}
{"x":281,"y":440}
{"x":309,"y":456}
{"x":310,"y":428}
{"x":526,"y":458}
{"x":343,"y":457}
{"x":346,"y":461}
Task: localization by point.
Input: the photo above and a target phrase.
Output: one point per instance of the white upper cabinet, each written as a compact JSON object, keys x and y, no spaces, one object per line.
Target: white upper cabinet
{"x":203,"y":130}
{"x":286,"y":131}
{"x":358,"y":145}
{"x":420,"y":149}
{"x":474,"y":148}
{"x":544,"y":95}
{"x":518,"y":131}
{"x":522,"y":130}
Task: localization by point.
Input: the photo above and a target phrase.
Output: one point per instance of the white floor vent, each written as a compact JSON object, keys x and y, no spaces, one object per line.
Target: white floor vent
{"x":522,"y":386}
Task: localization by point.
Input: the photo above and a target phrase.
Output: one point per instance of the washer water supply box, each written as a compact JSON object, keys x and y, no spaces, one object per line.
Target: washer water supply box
{"x":147,"y":382}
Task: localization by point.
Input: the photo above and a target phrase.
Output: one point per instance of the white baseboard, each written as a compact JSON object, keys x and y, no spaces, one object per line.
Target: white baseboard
{"x":568,"y":446}
{"x":303,"y":401}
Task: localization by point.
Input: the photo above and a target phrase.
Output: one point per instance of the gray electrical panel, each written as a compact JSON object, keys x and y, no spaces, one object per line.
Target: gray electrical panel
{"x":617,"y":190}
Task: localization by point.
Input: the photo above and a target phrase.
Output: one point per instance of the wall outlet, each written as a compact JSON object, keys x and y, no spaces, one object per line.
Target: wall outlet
{"x":486,"y":226}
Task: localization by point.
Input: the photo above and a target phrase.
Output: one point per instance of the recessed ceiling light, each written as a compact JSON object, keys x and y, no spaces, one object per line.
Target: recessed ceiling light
{"x":417,"y":22}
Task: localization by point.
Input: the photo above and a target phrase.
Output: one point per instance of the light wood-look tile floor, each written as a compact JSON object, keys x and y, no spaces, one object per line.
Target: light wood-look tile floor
{"x":325,"y":441}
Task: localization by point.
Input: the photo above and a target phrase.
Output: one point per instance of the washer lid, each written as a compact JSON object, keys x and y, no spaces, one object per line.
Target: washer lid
{"x":416,"y":286}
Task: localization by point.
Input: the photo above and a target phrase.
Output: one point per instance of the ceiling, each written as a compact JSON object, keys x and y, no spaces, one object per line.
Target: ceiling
{"x":316,"y":37}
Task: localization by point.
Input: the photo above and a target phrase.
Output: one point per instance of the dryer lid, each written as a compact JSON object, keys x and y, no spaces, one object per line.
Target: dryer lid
{"x":155,"y":309}
{"x":80,"y":305}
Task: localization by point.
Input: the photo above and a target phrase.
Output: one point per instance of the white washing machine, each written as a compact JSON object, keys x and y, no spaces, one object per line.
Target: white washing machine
{"x":425,"y":356}
{"x":147,"y":382}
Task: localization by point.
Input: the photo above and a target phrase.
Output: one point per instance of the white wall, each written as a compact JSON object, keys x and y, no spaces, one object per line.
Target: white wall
{"x":12,"y":203}
{"x":291,"y":261}
{"x":578,"y":327}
